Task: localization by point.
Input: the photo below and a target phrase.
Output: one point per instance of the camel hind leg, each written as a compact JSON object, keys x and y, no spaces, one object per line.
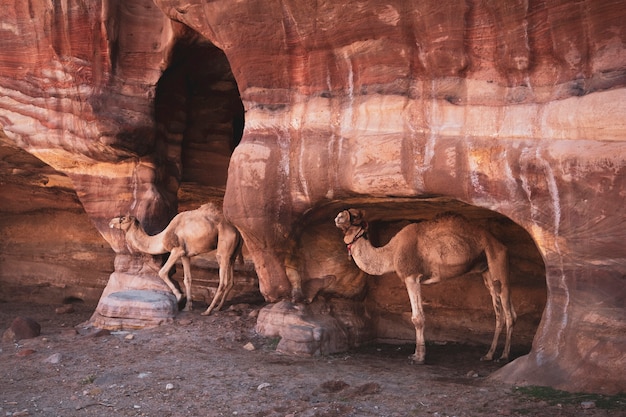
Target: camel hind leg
{"x":497,"y":309}
{"x":509,"y":317}
{"x":417,"y":317}
{"x":187,"y":281}
{"x":228,"y":246}
{"x":225,"y":285}
{"x":497,"y":281}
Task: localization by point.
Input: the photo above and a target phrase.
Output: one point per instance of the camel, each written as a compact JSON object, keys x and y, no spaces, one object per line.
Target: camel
{"x":426,"y":253}
{"x":190,"y":233}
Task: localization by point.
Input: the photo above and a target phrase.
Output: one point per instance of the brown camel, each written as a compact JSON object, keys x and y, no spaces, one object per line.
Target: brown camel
{"x":190,"y":233}
{"x":427,"y":252}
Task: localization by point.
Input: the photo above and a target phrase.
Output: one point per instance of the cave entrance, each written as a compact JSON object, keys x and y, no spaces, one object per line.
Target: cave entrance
{"x":199,"y":118}
{"x":198,"y":108}
{"x":458,"y":311}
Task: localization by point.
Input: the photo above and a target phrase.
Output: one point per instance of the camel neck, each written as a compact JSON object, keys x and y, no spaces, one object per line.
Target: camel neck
{"x":141,"y":241}
{"x":372,"y":260}
{"x":361,"y":233}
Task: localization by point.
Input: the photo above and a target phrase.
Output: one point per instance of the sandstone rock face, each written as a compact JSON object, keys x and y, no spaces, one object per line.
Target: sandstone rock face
{"x":81,"y":88}
{"x":514,"y":115}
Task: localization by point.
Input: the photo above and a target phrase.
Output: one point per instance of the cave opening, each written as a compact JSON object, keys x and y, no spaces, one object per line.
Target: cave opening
{"x":199,"y":118}
{"x":458,"y":310}
{"x":199,"y":115}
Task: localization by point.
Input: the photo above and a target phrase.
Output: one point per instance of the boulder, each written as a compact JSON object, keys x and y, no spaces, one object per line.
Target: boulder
{"x":135,"y":309}
{"x":21,"y":328}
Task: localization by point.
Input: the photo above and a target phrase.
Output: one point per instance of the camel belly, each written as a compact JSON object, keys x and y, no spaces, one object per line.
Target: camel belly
{"x":448,"y":257}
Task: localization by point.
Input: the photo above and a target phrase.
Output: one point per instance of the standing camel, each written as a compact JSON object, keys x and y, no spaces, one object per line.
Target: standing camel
{"x":427,"y":252}
{"x":190,"y":233}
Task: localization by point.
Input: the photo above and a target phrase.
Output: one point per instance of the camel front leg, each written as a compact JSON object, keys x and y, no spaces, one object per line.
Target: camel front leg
{"x":175,"y":255}
{"x":187,"y":282}
{"x":417,"y":317}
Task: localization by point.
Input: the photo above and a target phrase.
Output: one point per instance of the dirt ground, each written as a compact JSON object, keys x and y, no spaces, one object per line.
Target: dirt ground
{"x":218,"y":366}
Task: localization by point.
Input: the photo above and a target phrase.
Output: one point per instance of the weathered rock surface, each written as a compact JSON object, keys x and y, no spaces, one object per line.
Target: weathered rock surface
{"x":135,"y":309}
{"x":518,"y":111}
{"x":321,"y":328}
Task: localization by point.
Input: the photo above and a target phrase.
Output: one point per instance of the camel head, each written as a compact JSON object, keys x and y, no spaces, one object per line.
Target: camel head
{"x":349,"y":218}
{"x":122,"y":222}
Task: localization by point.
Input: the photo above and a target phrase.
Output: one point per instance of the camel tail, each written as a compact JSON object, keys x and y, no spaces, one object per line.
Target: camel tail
{"x":239,"y":252}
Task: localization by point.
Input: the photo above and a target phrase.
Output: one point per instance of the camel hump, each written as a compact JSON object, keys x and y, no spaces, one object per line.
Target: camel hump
{"x":448,"y":216}
{"x":211,"y":211}
{"x":211,"y":207}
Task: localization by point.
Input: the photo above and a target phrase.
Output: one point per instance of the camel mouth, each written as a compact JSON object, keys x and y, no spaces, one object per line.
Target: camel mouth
{"x":116,"y":222}
{"x":342,"y":221}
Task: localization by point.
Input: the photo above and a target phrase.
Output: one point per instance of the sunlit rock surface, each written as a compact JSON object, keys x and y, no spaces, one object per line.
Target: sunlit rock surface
{"x":517,"y":110}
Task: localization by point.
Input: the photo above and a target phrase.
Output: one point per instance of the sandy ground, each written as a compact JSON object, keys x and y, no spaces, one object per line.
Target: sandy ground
{"x":218,"y":366}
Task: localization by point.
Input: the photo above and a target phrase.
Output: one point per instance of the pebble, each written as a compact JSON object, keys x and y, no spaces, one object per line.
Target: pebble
{"x":249,"y":347}
{"x":129,"y":336}
{"x":263,"y":386}
{"x":586,"y":405}
{"x":169,"y":386}
{"x":53,"y":359}
{"x":24,"y":352}
{"x":64,"y":309}
{"x":68,"y":333}
{"x":99,"y":333}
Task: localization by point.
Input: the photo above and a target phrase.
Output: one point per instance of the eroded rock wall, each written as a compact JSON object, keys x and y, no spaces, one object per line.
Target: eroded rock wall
{"x":49,"y":250}
{"x":516,"y":108}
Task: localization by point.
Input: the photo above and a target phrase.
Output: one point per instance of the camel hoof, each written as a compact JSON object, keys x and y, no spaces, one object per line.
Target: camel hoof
{"x":486,"y":358}
{"x":206,"y":312}
{"x":416,"y":361}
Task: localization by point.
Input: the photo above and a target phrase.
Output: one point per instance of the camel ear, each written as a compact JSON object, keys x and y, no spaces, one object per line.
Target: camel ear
{"x":356,"y":216}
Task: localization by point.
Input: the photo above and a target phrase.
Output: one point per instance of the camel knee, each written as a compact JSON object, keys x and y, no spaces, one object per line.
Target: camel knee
{"x":418,"y":323}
